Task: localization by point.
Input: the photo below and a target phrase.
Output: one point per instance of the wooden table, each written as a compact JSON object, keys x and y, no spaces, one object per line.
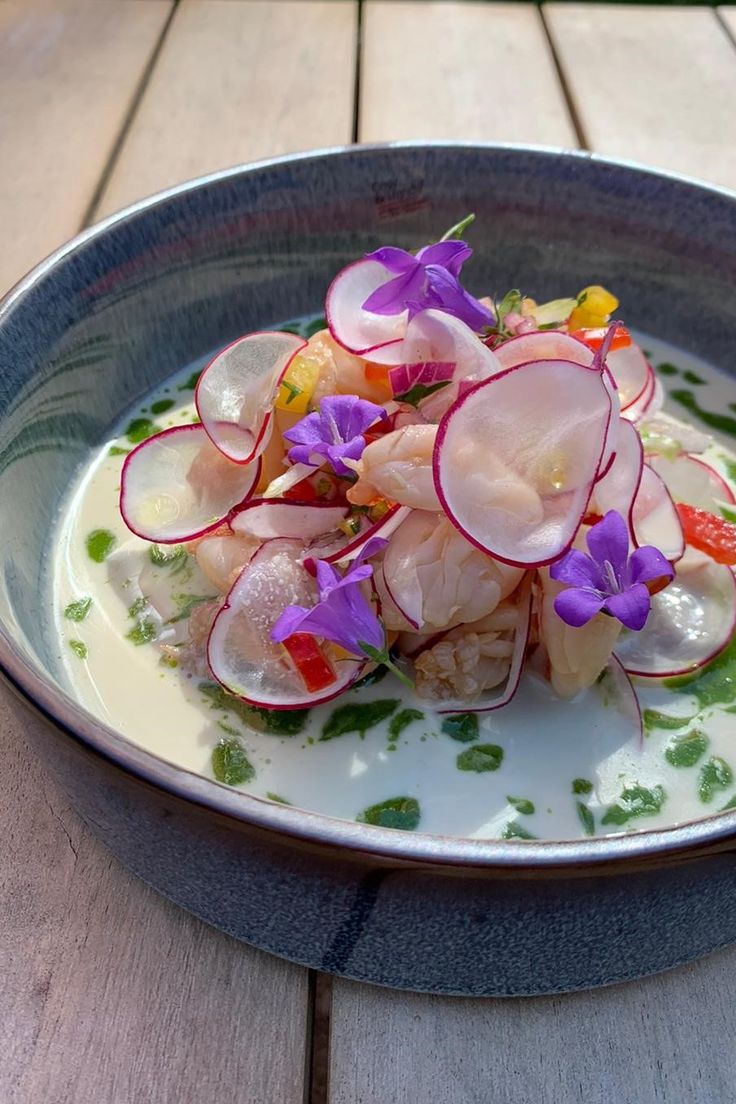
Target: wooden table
{"x":109,"y":994}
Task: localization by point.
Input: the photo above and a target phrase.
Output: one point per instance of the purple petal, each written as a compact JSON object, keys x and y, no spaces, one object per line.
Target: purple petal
{"x":328,"y":577}
{"x":350,"y":414}
{"x":391,"y":297}
{"x":289,"y":622}
{"x":649,"y":563}
{"x":395,"y":260}
{"x":631,"y":607}
{"x":577,"y":569}
{"x":308,"y":431}
{"x":577,"y":606}
{"x":447,"y":294}
{"x":303,"y":454}
{"x":451,"y":255}
{"x":608,"y":540}
{"x":371,"y":548}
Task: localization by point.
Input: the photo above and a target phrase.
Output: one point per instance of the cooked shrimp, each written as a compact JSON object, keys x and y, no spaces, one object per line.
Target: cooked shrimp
{"x":221,"y":558}
{"x":576,"y":656}
{"x":469,"y":659}
{"x":398,"y":467}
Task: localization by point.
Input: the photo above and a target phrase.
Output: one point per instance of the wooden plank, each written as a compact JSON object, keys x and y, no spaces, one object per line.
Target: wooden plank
{"x":239,"y":80}
{"x":111,"y":994}
{"x":666,"y":1038}
{"x":454,"y":69}
{"x":654,"y":84}
{"x":69,"y":71}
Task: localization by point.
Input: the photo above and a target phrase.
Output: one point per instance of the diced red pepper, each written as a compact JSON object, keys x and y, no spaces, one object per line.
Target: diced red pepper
{"x":302,"y":492}
{"x":310,"y":661}
{"x":594,"y":338}
{"x":708,"y":533}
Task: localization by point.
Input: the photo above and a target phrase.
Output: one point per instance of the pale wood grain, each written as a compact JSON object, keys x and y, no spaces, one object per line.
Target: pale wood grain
{"x":653,"y":84}
{"x":667,"y":1038}
{"x":452,"y":69}
{"x":112,"y":995}
{"x":239,"y":80}
{"x":69,"y":71}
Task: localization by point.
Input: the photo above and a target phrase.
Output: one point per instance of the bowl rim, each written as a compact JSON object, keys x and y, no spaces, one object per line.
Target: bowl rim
{"x":542,"y":857}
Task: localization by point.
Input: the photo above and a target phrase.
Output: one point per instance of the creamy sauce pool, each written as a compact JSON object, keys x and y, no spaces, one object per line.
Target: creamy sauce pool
{"x":540,"y":768}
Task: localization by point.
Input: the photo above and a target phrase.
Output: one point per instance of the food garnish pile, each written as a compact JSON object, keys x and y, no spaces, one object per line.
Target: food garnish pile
{"x":455,"y":488}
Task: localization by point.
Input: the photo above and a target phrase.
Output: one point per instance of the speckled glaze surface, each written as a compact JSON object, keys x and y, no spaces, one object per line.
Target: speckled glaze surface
{"x":133,"y":300}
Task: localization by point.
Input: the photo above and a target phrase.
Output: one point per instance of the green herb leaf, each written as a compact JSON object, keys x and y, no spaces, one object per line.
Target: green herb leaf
{"x":686,"y":750}
{"x":511,"y":303}
{"x":100,"y":543}
{"x":586,"y":818}
{"x":714,"y":684}
{"x":140,"y":429}
{"x":723,"y":422}
{"x":79,"y":648}
{"x":581,"y":786}
{"x":186,"y":603}
{"x":277,"y":722}
{"x":161,"y":406}
{"x":277,"y":797}
{"x":635,"y":801}
{"x":667,"y":369}
{"x":230,"y":764}
{"x":167,"y":556}
{"x":729,"y":805}
{"x":714,"y":775}
{"x":462,"y":727}
{"x":357,"y":717}
{"x":481,"y":758}
{"x":143,"y":632}
{"x":402,"y":720}
{"x":514,"y":830}
{"x":314,"y":326}
{"x":115,"y":450}
{"x":420,"y":391}
{"x":522,"y":805}
{"x":138,"y":606}
{"x":395,"y":812}
{"x":654,"y":719}
{"x":374,"y":676}
{"x":693,"y":377}
{"x":727,"y":514}
{"x":78,"y":610}
{"x":191,"y":383}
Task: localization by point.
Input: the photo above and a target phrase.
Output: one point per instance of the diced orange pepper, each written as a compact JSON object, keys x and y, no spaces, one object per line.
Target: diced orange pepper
{"x":594,"y":338}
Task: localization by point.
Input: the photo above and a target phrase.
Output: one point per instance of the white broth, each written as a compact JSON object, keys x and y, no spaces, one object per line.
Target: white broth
{"x":541,"y":767}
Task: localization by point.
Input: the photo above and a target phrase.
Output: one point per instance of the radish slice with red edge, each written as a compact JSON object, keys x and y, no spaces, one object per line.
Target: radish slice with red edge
{"x":240,"y":652}
{"x":357,"y":330}
{"x":269,"y":518}
{"x":283,"y":483}
{"x":513,"y":471}
{"x":690,"y":622}
{"x":654,"y":517}
{"x":617,"y":489}
{"x":237,"y":390}
{"x":500,"y":696}
{"x":425,"y":373}
{"x":632,"y":372}
{"x":617,"y":689}
{"x":543,"y":345}
{"x":691,"y":480}
{"x":177,"y":486}
{"x":384,"y":527}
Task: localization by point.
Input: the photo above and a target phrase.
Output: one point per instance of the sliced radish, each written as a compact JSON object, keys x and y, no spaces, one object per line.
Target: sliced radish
{"x":513,"y":470}
{"x":283,"y":483}
{"x":357,"y":330}
{"x":241,"y":654}
{"x":177,"y":485}
{"x":384,"y":527}
{"x":690,"y":622}
{"x":617,"y":689}
{"x":405,"y":376}
{"x":668,"y":436}
{"x":654,"y":517}
{"x":543,"y":345}
{"x":616,"y":490}
{"x":632,"y":372}
{"x":236,"y":392}
{"x":394,"y":615}
{"x":691,"y":480}
{"x":269,"y":518}
{"x":647,"y":404}
{"x":500,"y":696}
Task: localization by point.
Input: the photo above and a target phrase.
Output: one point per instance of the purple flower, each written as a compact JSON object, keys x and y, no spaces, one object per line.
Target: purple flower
{"x":609,"y":579}
{"x":428,"y":280}
{"x":343,"y":614}
{"x":334,"y":432}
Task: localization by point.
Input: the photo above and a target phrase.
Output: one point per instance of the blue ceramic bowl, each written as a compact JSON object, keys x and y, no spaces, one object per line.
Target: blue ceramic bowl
{"x":151,"y":289}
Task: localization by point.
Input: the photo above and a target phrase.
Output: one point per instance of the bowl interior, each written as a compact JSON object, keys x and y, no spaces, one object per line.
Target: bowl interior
{"x":152,"y":290}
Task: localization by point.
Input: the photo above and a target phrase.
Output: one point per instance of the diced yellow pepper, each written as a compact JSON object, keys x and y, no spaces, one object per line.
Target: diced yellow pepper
{"x":596,"y":304}
{"x":297,"y":386}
